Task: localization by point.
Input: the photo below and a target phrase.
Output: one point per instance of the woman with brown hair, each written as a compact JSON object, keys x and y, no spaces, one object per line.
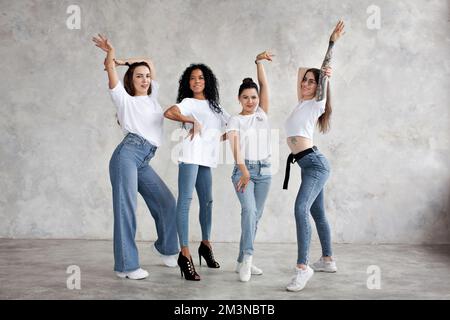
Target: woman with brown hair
{"x":313,"y":108}
{"x":141,"y":119}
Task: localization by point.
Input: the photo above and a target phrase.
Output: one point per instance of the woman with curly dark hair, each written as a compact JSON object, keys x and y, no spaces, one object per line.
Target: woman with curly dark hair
{"x":199,"y":110}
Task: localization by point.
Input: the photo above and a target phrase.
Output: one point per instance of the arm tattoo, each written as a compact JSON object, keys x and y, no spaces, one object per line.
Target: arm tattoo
{"x":322,"y":85}
{"x":293,"y":141}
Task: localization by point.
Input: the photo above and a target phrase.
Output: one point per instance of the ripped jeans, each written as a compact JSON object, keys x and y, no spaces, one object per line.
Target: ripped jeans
{"x":190,"y":176}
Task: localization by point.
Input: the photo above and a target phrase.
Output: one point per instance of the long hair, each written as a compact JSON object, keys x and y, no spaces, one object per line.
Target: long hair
{"x":128,"y":78}
{"x":211,"y":90}
{"x":128,"y":81}
{"x":248,"y":83}
{"x":324,"y":120}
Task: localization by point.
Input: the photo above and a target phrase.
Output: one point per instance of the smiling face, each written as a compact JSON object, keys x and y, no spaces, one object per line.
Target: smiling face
{"x":197,"y":83}
{"x":141,"y":80}
{"x":249,"y":100}
{"x":308,"y":86}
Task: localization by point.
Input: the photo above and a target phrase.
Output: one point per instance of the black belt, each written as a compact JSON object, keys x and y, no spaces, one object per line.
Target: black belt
{"x":292,"y":158}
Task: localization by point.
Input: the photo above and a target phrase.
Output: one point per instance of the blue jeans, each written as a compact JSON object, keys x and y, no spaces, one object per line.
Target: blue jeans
{"x":315,"y":171}
{"x":252,"y":202}
{"x":190,"y":176}
{"x":131,"y":173}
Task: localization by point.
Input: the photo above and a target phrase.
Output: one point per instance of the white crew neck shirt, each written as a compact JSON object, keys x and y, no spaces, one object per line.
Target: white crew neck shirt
{"x":141,"y":115}
{"x":303,"y":118}
{"x":254,"y":134}
{"x":204,"y":149}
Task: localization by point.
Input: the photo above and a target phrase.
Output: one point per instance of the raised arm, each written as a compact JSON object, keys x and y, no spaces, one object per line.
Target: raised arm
{"x":123,"y":62}
{"x":110,"y":66}
{"x":323,"y":78}
{"x":262,"y":80}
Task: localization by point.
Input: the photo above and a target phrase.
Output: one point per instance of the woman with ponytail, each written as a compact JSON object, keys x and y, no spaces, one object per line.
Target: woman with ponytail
{"x":141,"y":119}
{"x":313,"y":108}
{"x":249,"y":136}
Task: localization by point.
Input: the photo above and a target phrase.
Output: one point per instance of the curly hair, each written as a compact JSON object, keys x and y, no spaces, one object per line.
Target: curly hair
{"x":211,"y":91}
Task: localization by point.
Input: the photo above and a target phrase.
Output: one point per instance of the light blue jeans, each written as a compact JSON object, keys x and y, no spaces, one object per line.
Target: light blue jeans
{"x":131,"y":173}
{"x":190,"y":176}
{"x":252,"y":202}
{"x":314,"y":172}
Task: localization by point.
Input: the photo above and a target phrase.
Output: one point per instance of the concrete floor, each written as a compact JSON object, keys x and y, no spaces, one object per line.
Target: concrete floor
{"x":36,"y":269}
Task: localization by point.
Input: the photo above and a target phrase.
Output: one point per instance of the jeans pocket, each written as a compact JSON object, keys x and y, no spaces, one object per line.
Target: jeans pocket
{"x":324,"y":162}
{"x":150,"y":155}
{"x":265,"y":169}
{"x":306,"y":160}
{"x":132,"y":141}
{"x":235,"y":170}
{"x":236,"y":176}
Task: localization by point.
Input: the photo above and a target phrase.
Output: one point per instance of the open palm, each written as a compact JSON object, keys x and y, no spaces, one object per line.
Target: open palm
{"x":103,"y":43}
{"x":338,"y":31}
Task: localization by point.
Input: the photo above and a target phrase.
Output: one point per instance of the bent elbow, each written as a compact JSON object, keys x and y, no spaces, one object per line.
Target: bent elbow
{"x":167,"y":114}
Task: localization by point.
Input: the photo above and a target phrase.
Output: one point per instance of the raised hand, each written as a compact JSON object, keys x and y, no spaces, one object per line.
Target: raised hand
{"x":266,"y":55}
{"x":103,"y":43}
{"x":338,"y":31}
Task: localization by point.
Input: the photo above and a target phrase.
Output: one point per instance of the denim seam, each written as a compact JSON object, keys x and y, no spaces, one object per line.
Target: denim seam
{"x":178,"y":201}
{"x":161,"y":216}
{"x":208,"y":204}
{"x":307,"y":222}
{"x":121,"y":212}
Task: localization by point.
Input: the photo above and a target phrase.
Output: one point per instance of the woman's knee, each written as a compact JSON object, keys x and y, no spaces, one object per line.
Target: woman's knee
{"x":301,"y":211}
{"x":206,"y":203}
{"x":248,"y":211}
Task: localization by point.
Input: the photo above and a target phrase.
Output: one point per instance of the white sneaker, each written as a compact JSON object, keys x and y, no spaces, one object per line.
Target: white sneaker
{"x":170,"y":261}
{"x":300,"y":280}
{"x":324,"y":266}
{"x":254,"y":269}
{"x":134,"y":275}
{"x":245,"y":272}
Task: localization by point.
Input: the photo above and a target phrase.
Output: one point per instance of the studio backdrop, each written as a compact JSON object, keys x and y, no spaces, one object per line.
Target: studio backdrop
{"x":388,"y":146}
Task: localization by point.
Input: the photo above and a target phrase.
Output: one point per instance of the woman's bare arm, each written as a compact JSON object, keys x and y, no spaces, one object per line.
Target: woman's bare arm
{"x":103,"y":43}
{"x":323,"y":78}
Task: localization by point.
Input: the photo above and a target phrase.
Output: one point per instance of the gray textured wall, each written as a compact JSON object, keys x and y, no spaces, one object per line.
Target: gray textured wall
{"x":388,"y":148}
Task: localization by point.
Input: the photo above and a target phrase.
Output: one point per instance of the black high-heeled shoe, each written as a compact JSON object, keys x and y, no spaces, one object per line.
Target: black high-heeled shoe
{"x":187,"y":268}
{"x":207,"y":254}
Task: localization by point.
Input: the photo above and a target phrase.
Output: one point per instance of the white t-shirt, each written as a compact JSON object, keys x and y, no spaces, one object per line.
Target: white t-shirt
{"x":304,"y":117}
{"x":141,"y":115}
{"x":254,"y":134}
{"x":204,"y":148}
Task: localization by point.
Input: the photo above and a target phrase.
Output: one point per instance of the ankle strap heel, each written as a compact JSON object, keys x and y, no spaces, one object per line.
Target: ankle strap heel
{"x":206,"y":253}
{"x":187,"y":268}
